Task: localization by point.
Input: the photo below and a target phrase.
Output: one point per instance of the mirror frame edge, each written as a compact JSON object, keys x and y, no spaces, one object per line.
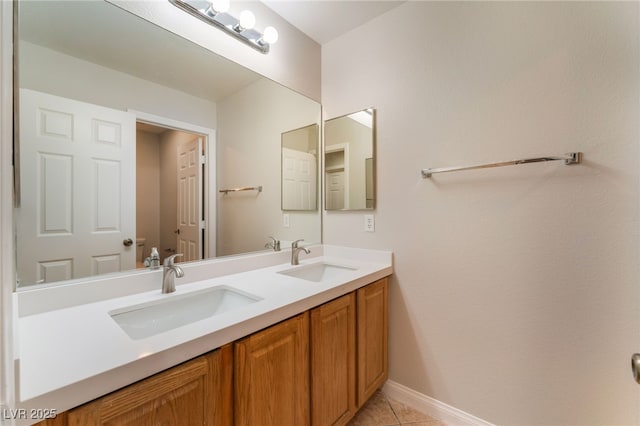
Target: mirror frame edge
{"x":374,"y":153}
{"x":7,"y":257}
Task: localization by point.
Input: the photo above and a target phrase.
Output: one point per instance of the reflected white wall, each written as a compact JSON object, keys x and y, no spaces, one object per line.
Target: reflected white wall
{"x":249,"y":140}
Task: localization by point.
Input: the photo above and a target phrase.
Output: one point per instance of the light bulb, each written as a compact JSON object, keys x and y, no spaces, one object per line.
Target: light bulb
{"x":220,"y":6}
{"x":247,"y":20}
{"x":270,"y":35}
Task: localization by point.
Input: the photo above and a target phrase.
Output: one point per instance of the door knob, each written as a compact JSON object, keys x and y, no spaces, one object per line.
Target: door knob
{"x":177,"y":231}
{"x":635,"y":367}
{"x":128,"y":242}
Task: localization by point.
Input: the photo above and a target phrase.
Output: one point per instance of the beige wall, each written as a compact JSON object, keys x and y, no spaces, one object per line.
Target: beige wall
{"x":515,"y":296}
{"x":304,"y":139}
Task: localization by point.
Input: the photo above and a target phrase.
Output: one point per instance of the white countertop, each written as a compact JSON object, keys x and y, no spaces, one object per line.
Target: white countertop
{"x":74,"y":354}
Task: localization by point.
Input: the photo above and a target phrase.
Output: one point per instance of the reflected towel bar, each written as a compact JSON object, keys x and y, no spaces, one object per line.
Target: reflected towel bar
{"x":244,"y":188}
{"x":571,"y":158}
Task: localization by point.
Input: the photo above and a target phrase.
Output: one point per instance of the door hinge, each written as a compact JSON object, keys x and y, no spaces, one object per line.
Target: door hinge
{"x":202,"y":224}
{"x":203,"y":159}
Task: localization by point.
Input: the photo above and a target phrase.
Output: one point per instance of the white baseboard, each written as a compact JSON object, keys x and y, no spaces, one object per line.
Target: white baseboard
{"x":430,"y":406}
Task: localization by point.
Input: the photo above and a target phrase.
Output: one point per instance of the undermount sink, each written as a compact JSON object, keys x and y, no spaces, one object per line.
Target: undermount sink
{"x":148,"y":319}
{"x":318,"y":272}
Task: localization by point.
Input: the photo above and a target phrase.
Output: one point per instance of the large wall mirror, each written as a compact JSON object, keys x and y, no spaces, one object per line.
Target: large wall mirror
{"x":127,"y":135}
{"x":349,"y":161}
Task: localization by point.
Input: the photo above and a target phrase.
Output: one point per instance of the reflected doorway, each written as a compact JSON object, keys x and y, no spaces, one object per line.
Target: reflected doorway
{"x":170,"y":188}
{"x":336,"y":166}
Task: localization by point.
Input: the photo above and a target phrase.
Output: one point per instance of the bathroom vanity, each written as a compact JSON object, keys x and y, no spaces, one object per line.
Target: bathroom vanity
{"x":308,"y":346}
{"x":242,"y":339}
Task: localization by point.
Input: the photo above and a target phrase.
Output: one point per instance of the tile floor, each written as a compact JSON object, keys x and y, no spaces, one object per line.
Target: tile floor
{"x":382,"y":411}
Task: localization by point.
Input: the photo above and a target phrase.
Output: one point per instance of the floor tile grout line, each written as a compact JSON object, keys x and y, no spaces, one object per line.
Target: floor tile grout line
{"x":397,"y":423}
{"x":391,"y":407}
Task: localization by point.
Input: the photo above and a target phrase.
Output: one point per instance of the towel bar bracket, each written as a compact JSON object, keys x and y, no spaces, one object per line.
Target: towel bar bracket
{"x":573,"y":158}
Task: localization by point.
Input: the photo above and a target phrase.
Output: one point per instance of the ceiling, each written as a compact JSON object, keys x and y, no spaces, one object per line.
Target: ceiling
{"x":325,"y":20}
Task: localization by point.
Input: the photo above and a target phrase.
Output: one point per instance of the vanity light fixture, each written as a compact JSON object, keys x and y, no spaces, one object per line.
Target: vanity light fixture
{"x":215,"y":13}
{"x":247,"y":21}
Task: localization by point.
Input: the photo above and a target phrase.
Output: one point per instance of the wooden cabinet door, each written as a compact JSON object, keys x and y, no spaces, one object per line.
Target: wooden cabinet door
{"x":333,"y":362}
{"x":190,"y":394}
{"x":372,"y":338}
{"x":220,"y":397}
{"x":272,"y":375}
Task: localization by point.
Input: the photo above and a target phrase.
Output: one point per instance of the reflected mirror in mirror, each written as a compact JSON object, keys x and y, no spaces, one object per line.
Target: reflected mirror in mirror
{"x":299,"y":168}
{"x":349,"y":161}
{"x":127,"y":134}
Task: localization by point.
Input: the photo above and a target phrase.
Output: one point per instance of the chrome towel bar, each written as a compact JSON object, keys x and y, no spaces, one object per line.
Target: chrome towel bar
{"x":244,"y":188}
{"x":571,"y":158}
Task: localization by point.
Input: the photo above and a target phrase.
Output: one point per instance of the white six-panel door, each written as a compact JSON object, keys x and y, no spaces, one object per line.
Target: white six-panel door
{"x":335,"y":190}
{"x":298,"y":180}
{"x":77,"y":187}
{"x":190,"y":220}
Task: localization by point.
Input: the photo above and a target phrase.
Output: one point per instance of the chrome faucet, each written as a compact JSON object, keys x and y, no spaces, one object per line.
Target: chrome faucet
{"x":295,"y":251}
{"x":168,"y":271}
{"x":275,"y":244}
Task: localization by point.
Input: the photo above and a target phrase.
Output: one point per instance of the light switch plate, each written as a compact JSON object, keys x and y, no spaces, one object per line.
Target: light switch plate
{"x":369,"y":223}
{"x":285,"y":220}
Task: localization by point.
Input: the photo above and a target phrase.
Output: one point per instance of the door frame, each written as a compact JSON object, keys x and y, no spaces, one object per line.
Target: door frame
{"x":209,"y":201}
